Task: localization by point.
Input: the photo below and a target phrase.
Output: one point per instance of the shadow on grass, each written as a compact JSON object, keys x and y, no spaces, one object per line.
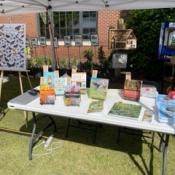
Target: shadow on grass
{"x":106,"y":138}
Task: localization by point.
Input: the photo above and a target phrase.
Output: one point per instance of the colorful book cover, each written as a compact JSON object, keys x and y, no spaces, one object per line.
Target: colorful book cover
{"x":47,"y":93}
{"x":72,"y":96}
{"x":59,"y":86}
{"x":98,"y":88}
{"x":95,"y":106}
{"x":132,"y":89}
{"x":49,"y":77}
{"x":126,"y":110}
{"x":79,"y":78}
{"x":166,"y":109}
{"x":134,"y":85}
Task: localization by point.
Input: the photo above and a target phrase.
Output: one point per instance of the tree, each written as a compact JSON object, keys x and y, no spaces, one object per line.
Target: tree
{"x":146,"y":25}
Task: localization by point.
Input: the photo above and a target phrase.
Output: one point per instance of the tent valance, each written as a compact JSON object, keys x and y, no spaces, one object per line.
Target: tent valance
{"x":9,"y":7}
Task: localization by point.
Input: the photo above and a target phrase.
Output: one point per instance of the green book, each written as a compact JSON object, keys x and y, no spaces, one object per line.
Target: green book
{"x":126,"y":110}
{"x":95,"y":106}
{"x":98,"y":88}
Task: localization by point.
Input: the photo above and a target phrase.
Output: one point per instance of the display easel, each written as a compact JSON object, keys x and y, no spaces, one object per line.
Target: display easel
{"x":21,"y":88}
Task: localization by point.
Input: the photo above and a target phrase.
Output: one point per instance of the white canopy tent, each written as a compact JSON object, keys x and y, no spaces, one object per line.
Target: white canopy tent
{"x":8,"y":7}
{"x":12,"y":7}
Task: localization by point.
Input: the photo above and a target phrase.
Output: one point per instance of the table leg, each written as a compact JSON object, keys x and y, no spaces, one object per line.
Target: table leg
{"x":151,"y":154}
{"x":32,"y":137}
{"x":165,"y":147}
{"x":36,"y":136}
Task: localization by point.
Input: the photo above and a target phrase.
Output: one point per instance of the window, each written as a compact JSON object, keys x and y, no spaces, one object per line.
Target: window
{"x":72,"y":23}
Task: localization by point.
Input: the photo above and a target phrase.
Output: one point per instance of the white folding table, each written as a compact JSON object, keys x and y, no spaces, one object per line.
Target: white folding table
{"x":28,"y":102}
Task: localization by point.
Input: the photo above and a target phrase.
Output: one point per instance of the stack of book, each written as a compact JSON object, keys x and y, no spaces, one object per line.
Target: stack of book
{"x":166,"y":109}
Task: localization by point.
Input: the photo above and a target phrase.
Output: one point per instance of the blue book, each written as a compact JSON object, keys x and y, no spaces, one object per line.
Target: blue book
{"x":166,"y":109}
{"x":49,"y":78}
{"x":59,"y":86}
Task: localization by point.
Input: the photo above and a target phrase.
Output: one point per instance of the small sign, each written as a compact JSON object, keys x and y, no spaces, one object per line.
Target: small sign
{"x":34,"y":42}
{"x":67,"y":41}
{"x":94,"y":73}
{"x":78,"y":40}
{"x":94,"y":40}
{"x":119,"y":60}
{"x":42,"y":41}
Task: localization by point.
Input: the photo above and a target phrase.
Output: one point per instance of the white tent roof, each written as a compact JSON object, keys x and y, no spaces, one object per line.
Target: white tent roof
{"x":9,"y":7}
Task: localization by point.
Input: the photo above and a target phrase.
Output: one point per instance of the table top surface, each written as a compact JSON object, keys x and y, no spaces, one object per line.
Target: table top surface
{"x":28,"y":102}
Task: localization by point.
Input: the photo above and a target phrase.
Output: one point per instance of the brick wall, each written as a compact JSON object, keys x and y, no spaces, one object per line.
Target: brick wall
{"x":29,"y":19}
{"x":106,"y":19}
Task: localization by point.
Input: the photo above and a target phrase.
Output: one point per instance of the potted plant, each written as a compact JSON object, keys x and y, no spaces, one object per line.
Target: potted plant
{"x":63,"y":66}
{"x":35,"y":65}
{"x":74,"y":63}
{"x":103,"y":63}
{"x":87,"y":66}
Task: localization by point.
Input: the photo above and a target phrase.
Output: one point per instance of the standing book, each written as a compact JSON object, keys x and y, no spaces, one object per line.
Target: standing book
{"x":98,"y":88}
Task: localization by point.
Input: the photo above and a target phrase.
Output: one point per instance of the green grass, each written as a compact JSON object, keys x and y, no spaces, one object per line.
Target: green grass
{"x":75,"y":155}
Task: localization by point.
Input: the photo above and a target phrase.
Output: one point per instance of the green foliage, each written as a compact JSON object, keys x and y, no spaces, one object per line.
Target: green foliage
{"x":63,"y":63}
{"x":146,"y":26}
{"x":74,"y":62}
{"x":88,"y":53}
{"x":38,"y":62}
{"x":101,"y":56}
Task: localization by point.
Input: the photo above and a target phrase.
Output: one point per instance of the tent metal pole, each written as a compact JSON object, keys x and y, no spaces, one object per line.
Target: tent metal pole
{"x":51,"y":33}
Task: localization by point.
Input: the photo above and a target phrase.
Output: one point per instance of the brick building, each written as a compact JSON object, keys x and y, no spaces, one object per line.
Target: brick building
{"x":95,"y":23}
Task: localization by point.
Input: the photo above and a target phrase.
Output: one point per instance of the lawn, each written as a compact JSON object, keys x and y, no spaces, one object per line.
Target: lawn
{"x":75,"y":155}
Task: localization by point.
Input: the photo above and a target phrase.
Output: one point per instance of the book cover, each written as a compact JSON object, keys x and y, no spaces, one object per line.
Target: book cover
{"x":59,"y":86}
{"x":49,"y":78}
{"x":98,"y":88}
{"x":79,"y":78}
{"x":126,"y":110}
{"x":131,"y":89}
{"x":95,"y":106}
{"x":72,"y":96}
{"x":47,"y":93}
{"x":165,"y":108}
{"x":134,"y":85}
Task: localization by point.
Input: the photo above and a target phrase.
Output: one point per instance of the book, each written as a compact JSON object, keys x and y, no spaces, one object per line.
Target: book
{"x":134,"y":85}
{"x":79,"y":78}
{"x":147,"y":116}
{"x":47,"y":93}
{"x":59,"y":86}
{"x":126,"y":110}
{"x":98,"y":88}
{"x":72,"y":96}
{"x":148,"y":91}
{"x":131,"y":89}
{"x":166,"y":109}
{"x":49,"y":78}
{"x":95,"y":106}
